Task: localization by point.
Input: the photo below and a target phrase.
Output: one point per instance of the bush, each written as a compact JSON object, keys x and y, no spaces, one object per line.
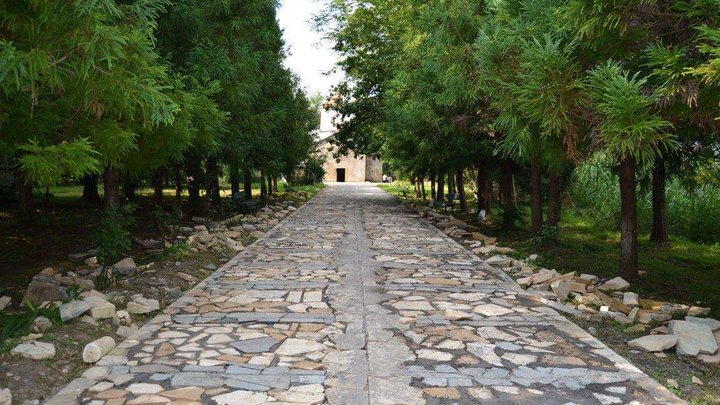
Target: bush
{"x":694,"y":214}
{"x":113,"y":240}
{"x":313,"y":171}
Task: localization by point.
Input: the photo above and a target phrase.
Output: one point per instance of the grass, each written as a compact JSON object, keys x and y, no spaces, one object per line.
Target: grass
{"x":684,"y":271}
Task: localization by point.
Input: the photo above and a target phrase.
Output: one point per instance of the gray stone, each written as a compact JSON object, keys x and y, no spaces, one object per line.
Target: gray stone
{"x":125,"y":266}
{"x":618,"y":283}
{"x":34,"y":350}
{"x":5,"y":397}
{"x":41,"y":324}
{"x":74,"y":308}
{"x":713,"y":324}
{"x":258,"y":345}
{"x":654,"y":343}
{"x":44,"y":288}
{"x":693,"y":338}
{"x":4,"y":302}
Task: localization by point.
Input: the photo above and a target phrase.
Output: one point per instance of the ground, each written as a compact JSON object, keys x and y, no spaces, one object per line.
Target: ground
{"x":67,"y":228}
{"x":583,"y":247}
{"x":355,"y":300}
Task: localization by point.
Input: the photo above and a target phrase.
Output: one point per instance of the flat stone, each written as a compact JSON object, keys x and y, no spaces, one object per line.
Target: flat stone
{"x":631,"y":299}
{"x":492,"y":310}
{"x":141,"y":305}
{"x":294,"y":347}
{"x":258,"y":345}
{"x":617,"y":283}
{"x":187,"y":393}
{"x":144,"y":388}
{"x":125,"y":266}
{"x":654,"y":343}
{"x":44,"y":288}
{"x":303,"y":394}
{"x":241,"y":397}
{"x":34,"y":350}
{"x":454,"y":315}
{"x":693,"y":338}
{"x":444,"y":393}
{"x":434,"y":355}
{"x":74,"y":308}
{"x":713,"y":324}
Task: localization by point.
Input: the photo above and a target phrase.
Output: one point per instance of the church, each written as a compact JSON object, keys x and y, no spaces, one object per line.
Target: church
{"x":350,"y":168}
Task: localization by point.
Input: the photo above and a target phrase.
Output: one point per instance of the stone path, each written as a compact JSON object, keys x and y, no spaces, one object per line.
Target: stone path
{"x":353,"y":300}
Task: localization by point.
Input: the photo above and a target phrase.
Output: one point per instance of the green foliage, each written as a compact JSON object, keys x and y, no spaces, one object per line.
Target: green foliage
{"x":113,"y":240}
{"x":313,"y":171}
{"x":693,"y":213}
{"x":46,"y":166}
{"x":13,"y":325}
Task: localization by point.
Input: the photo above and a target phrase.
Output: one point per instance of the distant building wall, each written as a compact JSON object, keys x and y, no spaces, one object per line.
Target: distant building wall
{"x":373,"y":170}
{"x":354,"y":165}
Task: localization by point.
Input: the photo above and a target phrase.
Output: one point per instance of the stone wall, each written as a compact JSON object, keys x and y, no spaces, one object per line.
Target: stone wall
{"x":358,"y":169}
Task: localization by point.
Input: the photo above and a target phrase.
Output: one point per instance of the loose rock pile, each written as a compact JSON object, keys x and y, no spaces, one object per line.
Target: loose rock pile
{"x":587,"y":296}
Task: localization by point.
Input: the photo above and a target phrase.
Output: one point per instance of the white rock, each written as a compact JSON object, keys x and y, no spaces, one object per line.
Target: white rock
{"x":101,"y":309}
{"x":713,"y":324}
{"x":125,"y":266}
{"x":302,"y":394}
{"x":4,"y":302}
{"x":435,"y":355}
{"x":454,"y":315}
{"x":241,"y":397}
{"x":95,"y":350}
{"x":654,"y":343}
{"x":74,"y":308}
{"x":618,"y":283}
{"x":5,"y":397}
{"x":142,"y":305}
{"x":630,"y":299}
{"x":34,"y":350}
{"x":144,"y":388}
{"x":293,"y":347}
{"x":693,"y":338}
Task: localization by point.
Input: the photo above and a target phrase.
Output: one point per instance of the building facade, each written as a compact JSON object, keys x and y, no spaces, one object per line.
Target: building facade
{"x":349,"y":168}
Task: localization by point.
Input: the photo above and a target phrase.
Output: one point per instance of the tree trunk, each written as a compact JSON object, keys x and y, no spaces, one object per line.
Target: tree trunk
{"x":275,"y":184}
{"x":432,"y":186}
{"x":269,"y":185}
{"x":440,"y":188}
{"x":178,"y":184}
{"x":263,"y":186}
{"x":460,"y":182}
{"x":422,"y":188}
{"x":111,"y":184}
{"x":25,"y":200}
{"x":213,"y":181}
{"x":158,"y":185}
{"x":554,"y":199}
{"x":451,"y":183}
{"x":234,"y":179}
{"x":90,"y":193}
{"x":536,"y":213}
{"x":129,"y":187}
{"x":247,"y":184}
{"x":506,"y":194}
{"x":483,"y":186}
{"x":194,"y":182}
{"x":660,"y":229}
{"x":629,"y":225}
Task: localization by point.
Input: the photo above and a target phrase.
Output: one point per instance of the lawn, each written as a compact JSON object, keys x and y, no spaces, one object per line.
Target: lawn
{"x":684,"y":272}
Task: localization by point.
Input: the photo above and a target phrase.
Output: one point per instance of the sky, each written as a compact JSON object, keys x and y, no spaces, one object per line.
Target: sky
{"x":310,"y":56}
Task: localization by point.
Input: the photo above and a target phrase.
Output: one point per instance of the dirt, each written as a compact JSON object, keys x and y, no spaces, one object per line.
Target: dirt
{"x":37,"y":380}
{"x":680,"y":369}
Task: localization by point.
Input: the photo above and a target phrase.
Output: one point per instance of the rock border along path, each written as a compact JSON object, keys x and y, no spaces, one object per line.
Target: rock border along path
{"x":355,"y":300}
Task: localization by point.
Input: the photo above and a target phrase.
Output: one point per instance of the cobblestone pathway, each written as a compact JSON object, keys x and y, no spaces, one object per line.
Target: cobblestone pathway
{"x":353,"y":300}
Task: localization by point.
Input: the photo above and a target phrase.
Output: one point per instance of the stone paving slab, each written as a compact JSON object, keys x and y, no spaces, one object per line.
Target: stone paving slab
{"x":355,"y":300}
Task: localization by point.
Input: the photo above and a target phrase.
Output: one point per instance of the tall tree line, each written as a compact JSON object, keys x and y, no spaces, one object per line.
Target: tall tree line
{"x":125,"y":92}
{"x":514,"y":94}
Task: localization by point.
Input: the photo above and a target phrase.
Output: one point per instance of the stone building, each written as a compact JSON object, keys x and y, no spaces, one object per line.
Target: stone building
{"x":350,"y":168}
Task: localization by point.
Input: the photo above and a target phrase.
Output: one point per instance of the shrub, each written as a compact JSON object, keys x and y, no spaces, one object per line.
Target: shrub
{"x":694,"y":214}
